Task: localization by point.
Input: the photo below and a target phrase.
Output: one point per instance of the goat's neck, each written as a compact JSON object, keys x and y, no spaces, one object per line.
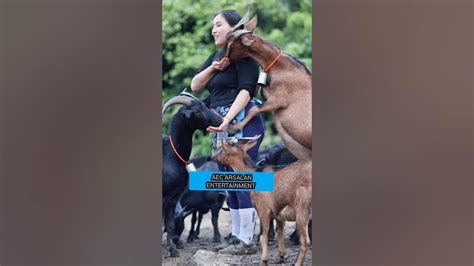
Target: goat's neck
{"x":182,"y":137}
{"x":264,"y":54}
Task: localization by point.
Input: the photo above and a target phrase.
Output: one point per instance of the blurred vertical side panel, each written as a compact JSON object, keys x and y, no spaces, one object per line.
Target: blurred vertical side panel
{"x":393,"y":132}
{"x":3,"y":92}
{"x":82,"y":132}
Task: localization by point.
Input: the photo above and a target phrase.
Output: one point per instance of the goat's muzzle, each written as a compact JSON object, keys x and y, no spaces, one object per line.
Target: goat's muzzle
{"x":215,"y":153}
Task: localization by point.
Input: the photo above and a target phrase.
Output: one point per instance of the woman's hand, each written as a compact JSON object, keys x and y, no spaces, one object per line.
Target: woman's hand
{"x":221,"y":128}
{"x":199,"y":82}
{"x":222,"y":64}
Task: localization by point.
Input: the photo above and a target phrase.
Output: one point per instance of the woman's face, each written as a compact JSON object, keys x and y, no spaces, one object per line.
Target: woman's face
{"x":220,"y":30}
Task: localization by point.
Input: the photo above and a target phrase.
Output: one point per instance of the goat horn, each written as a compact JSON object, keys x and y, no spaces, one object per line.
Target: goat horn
{"x":239,"y":33}
{"x":242,"y":21}
{"x":185,"y":93}
{"x":180,"y":99}
{"x":251,"y":138}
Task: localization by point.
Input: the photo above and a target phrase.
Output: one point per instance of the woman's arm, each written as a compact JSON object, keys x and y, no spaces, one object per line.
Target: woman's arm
{"x":198,"y":83}
{"x":238,"y":105}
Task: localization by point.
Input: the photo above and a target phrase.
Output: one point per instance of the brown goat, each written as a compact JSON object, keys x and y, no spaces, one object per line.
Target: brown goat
{"x":288,"y":90}
{"x":290,"y":201}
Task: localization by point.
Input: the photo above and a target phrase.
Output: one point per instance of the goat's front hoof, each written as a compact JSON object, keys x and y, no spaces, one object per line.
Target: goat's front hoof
{"x":190,"y":238}
{"x":282,"y":259}
{"x":232,"y":129}
{"x":174,"y":253}
{"x":179,"y":244}
{"x":264,"y":262}
{"x":217,"y":239}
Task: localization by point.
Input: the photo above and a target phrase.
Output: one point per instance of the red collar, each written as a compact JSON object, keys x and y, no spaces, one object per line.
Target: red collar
{"x":274,"y":61}
{"x":176,"y":152}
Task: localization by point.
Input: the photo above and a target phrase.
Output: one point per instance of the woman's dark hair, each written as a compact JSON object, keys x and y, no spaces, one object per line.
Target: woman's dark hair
{"x":231,"y":16}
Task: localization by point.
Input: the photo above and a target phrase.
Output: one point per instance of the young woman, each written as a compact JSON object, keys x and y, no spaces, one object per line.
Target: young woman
{"x":232,"y":86}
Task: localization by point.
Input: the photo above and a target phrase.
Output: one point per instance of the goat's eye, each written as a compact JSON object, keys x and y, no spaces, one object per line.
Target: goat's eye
{"x":198,"y":114}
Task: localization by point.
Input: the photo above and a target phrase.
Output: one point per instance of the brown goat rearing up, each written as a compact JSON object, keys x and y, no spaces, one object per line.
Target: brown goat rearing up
{"x":290,"y":201}
{"x":288,"y":90}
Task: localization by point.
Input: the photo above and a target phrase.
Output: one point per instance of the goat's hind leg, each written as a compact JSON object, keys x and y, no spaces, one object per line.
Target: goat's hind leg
{"x":303,"y":216}
{"x":240,"y":125}
{"x":191,"y":231}
{"x":265,"y":222}
{"x":281,"y":240}
{"x":304,"y":239}
{"x":198,"y":227}
{"x":215,"y":218}
{"x":170,"y":230}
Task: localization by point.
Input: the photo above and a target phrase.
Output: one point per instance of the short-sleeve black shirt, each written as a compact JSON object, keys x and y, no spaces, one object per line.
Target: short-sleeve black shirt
{"x":226,"y":84}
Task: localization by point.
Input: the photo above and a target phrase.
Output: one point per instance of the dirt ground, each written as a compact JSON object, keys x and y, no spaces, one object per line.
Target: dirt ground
{"x":204,"y":242}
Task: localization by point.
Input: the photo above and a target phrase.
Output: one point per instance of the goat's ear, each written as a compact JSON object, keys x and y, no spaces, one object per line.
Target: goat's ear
{"x":247,"y":40}
{"x":187,"y":113}
{"x":251,"y":24}
{"x":247,"y":146}
{"x":250,"y":142}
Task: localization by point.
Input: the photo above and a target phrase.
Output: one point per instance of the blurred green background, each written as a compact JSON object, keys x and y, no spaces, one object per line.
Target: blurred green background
{"x":187,"y":42}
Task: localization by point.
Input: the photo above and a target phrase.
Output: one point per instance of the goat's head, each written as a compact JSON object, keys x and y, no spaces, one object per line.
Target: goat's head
{"x":240,"y":41}
{"x":195,"y":111}
{"x":232,"y":150}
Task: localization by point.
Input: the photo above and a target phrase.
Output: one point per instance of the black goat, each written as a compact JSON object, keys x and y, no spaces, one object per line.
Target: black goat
{"x":199,"y":203}
{"x":176,"y":151}
{"x":276,"y":155}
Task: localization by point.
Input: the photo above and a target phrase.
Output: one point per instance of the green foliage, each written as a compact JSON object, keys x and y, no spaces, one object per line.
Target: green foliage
{"x":187,"y":42}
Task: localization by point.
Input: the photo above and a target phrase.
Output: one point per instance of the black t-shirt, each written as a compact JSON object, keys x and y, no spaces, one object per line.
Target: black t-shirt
{"x":226,"y":84}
